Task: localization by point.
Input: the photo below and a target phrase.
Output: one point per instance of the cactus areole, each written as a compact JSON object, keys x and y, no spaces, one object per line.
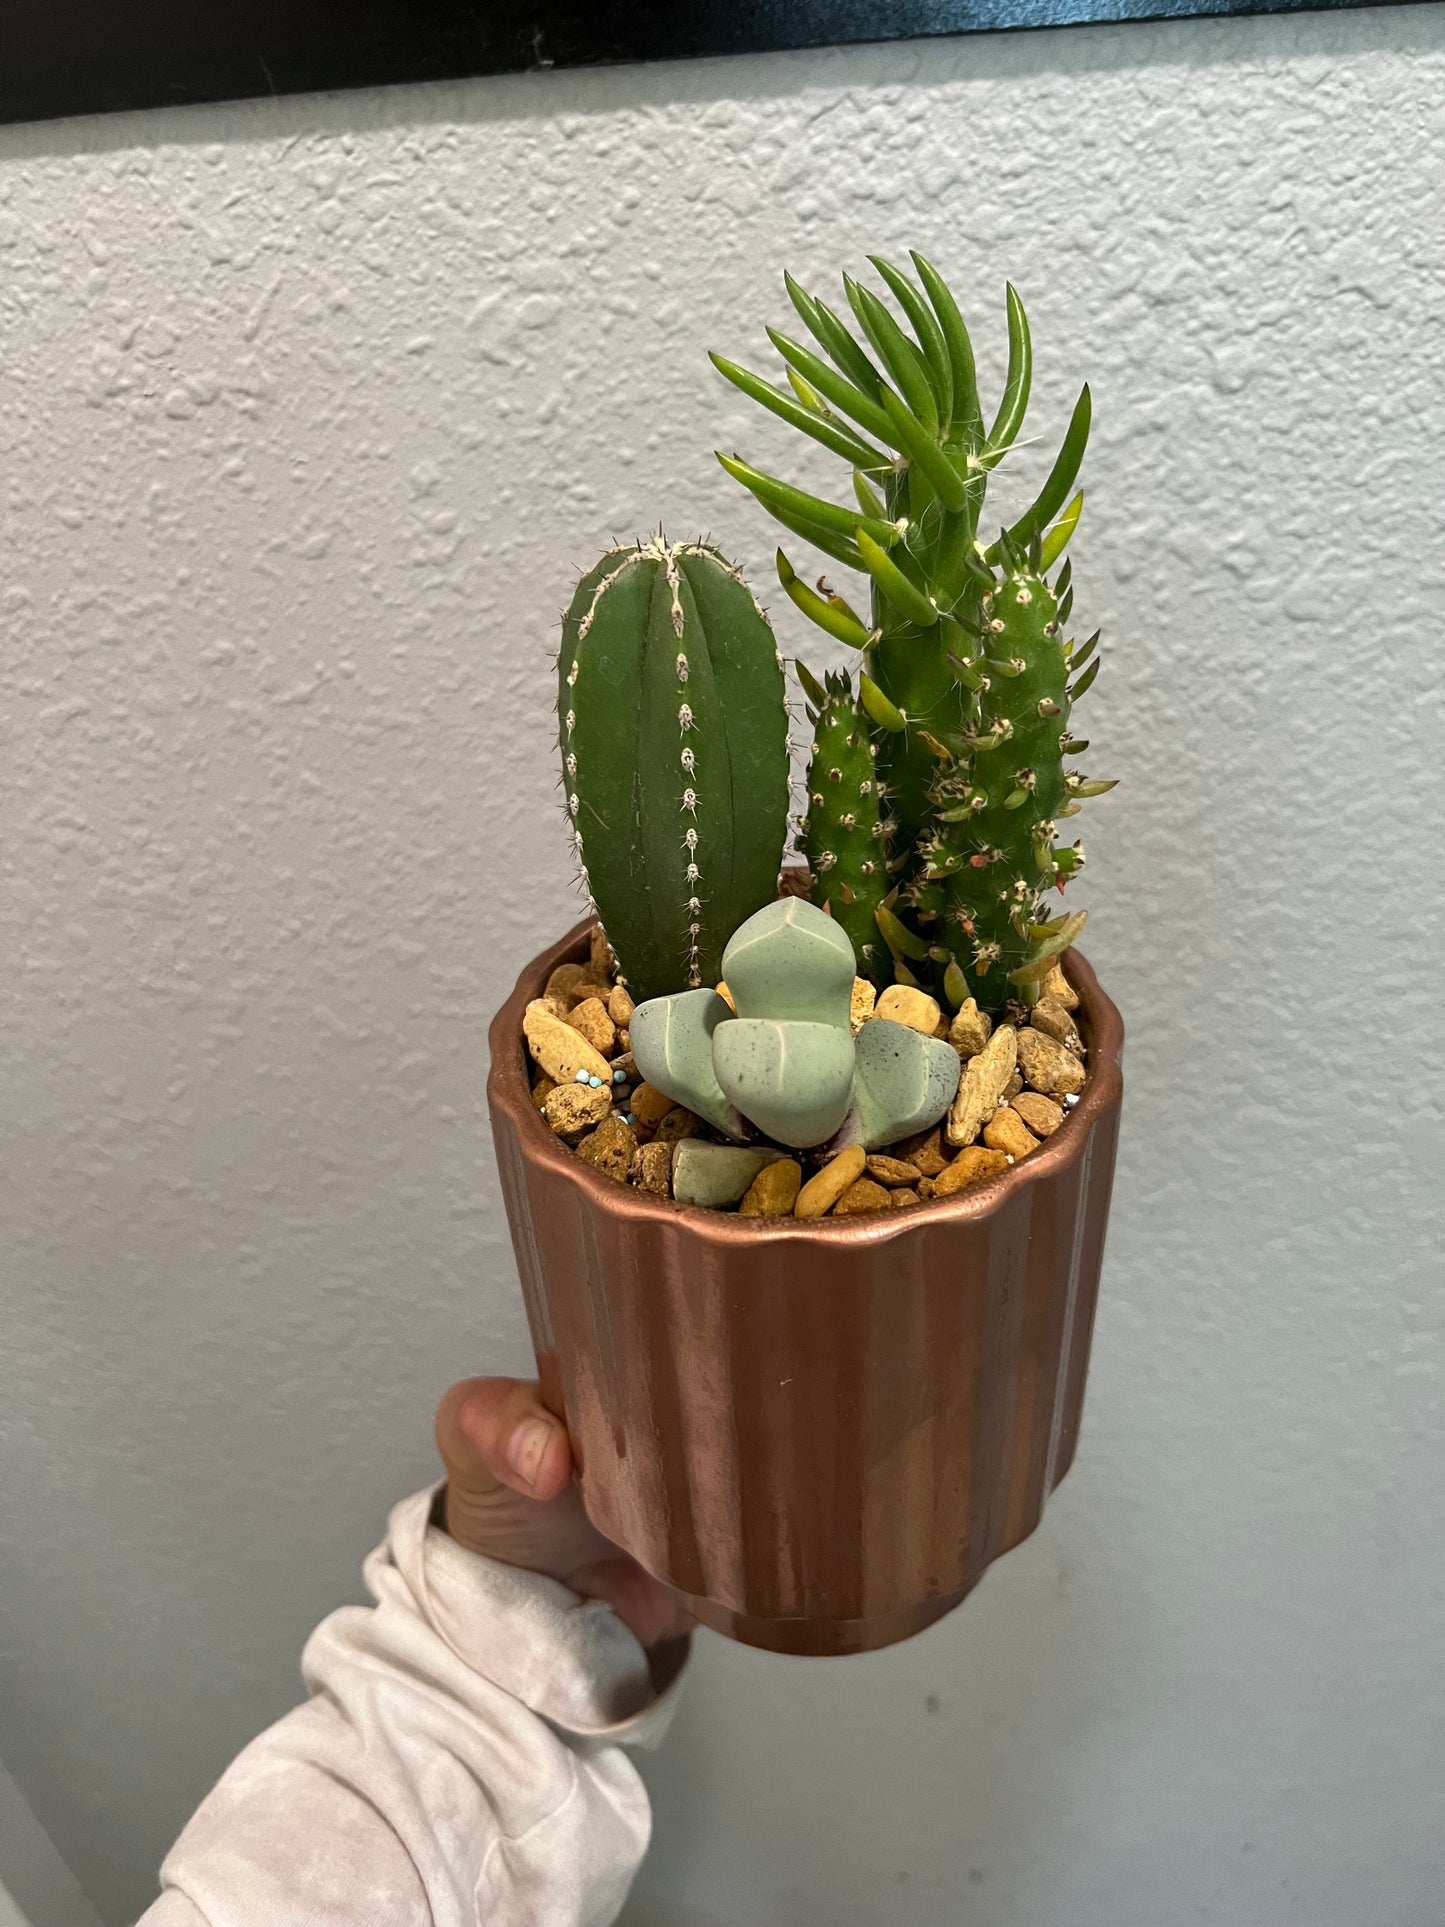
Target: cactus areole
{"x":674,"y":738}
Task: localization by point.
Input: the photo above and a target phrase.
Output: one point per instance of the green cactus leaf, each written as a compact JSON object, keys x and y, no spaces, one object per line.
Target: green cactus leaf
{"x":838,"y":546}
{"x":1014,"y":405}
{"x":912,"y":439}
{"x":833,"y":337}
{"x":819,"y":609}
{"x":1057,"y":538}
{"x":902,"y":358}
{"x":1086,"y":681}
{"x":966,"y":414}
{"x":898,"y":937}
{"x":955,"y":985}
{"x":878,"y":706}
{"x":815,"y":691}
{"x":776,"y":494}
{"x":907,"y":598}
{"x":926,"y":326}
{"x":1060,"y":479}
{"x":972,"y":675}
{"x":823,"y":428}
{"x":836,"y":388}
{"x":868,"y":498}
{"x":1041,"y":958}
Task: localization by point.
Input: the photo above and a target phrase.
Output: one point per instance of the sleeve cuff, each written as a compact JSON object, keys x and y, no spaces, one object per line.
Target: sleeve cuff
{"x":571,"y":1660}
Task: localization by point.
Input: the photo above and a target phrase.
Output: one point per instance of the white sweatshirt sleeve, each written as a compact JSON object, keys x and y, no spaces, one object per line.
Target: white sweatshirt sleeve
{"x":459,"y":1763}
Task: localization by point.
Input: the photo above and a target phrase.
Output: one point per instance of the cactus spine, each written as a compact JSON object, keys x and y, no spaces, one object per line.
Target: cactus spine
{"x":673,"y":732}
{"x":966,"y":685}
{"x":844,"y":833}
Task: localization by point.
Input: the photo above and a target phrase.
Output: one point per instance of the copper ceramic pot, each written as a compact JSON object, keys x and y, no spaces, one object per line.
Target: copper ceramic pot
{"x":820,"y":1433}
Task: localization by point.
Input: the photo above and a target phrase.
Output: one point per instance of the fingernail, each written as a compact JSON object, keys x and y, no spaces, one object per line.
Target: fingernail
{"x":526,"y":1447}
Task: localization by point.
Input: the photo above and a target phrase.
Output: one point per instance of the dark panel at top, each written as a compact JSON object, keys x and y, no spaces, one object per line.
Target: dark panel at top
{"x":97,"y":56}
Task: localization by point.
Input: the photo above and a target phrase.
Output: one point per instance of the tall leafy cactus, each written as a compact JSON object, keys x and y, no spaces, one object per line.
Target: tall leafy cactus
{"x":966,"y":684}
{"x":673,"y":729}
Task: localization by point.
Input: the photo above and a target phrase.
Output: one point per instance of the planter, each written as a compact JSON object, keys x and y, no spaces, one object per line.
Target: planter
{"x":820,"y":1434}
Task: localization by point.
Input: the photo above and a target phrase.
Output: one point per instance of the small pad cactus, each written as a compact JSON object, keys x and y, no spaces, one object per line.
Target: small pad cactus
{"x":844,"y":830}
{"x":673,"y":730}
{"x":788,"y":1061}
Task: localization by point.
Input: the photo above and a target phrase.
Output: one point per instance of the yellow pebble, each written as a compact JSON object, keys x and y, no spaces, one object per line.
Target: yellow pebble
{"x":591,"y":1019}
{"x":652,"y":1169}
{"x":861,"y":1004}
{"x":1048,"y":1066}
{"x":972,"y":1165}
{"x":984,"y":1079}
{"x":1041,"y":1114}
{"x":970,"y":1030}
{"x":1054,"y":1020}
{"x":560,"y":1050}
{"x":893,"y":1170}
{"x":570,"y":1108}
{"x":1057,"y":986}
{"x":862,"y":1195}
{"x":774,"y":1191}
{"x":650,"y":1105}
{"x":1006,"y":1131}
{"x":903,"y":1004}
{"x":610,"y":1148}
{"x":823,"y":1190}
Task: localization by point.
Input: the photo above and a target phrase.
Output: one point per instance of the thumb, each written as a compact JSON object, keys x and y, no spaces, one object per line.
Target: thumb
{"x":496,"y":1432}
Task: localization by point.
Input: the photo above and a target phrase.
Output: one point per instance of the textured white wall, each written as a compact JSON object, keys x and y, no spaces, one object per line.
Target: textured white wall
{"x":307,"y":410}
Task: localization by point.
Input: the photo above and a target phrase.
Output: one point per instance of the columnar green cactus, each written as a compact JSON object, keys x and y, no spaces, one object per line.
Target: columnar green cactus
{"x":673,"y":730}
{"x":845,"y":827}
{"x":904,"y":411}
{"x":788,"y":1062}
{"x":992,"y":847}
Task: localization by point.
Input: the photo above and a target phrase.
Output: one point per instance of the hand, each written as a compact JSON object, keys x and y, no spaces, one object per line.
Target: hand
{"x":510,"y":1494}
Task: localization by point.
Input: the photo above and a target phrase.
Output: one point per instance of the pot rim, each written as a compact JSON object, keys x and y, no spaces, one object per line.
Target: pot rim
{"x":509,"y":1092}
